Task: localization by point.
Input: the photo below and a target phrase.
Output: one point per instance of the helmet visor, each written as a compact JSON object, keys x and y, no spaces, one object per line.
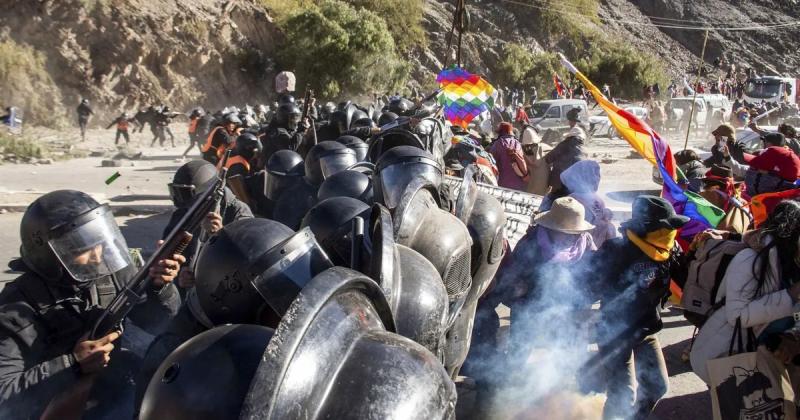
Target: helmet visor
{"x":181,"y":194}
{"x":336,"y":163}
{"x":276,"y":184}
{"x":395,"y":178}
{"x":286,"y":269}
{"x":93,"y":249}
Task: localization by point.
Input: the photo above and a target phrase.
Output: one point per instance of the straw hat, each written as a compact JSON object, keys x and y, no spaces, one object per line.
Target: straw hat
{"x":566,"y":215}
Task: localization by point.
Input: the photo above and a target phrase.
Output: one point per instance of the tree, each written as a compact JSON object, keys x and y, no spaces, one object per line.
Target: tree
{"x":338,"y":49}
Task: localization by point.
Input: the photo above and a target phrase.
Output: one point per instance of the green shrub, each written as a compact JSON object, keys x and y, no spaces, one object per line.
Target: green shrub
{"x":21,"y":146}
{"x":404,"y":19}
{"x":25,"y":83}
{"x":338,"y":49}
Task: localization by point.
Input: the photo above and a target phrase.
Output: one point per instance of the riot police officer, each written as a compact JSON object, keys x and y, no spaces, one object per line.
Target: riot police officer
{"x":286,"y":132}
{"x":221,"y":138}
{"x":244,"y":156}
{"x":188,"y":181}
{"x":322,"y":161}
{"x":313,"y":365}
{"x":228,"y":270}
{"x":75,"y":261}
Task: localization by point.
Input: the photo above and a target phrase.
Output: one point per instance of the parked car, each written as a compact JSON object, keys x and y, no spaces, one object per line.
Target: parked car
{"x":600,"y":126}
{"x":550,"y":117}
{"x":678,"y":110}
{"x":719,"y":109}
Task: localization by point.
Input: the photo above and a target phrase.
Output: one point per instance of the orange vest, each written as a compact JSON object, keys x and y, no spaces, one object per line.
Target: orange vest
{"x":233,"y":160}
{"x":207,"y":145}
{"x":193,"y":125}
{"x":220,"y":150}
{"x":122,"y":125}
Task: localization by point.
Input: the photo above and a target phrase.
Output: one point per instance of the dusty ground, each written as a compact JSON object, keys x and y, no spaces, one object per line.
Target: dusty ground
{"x":142,"y":186}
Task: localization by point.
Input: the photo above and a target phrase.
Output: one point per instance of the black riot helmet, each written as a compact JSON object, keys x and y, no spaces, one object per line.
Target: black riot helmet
{"x":326,"y":159}
{"x":363,"y":122}
{"x":326,"y":111}
{"x":349,"y":183}
{"x":331,"y":221}
{"x":286,"y":99}
{"x":222,"y":281}
{"x":288,"y":116}
{"x":188,"y":180}
{"x":69,"y":238}
{"x":356,"y":114}
{"x":398,"y":167}
{"x":231,"y":118}
{"x":386,"y":118}
{"x":247,"y":146}
{"x":355,"y":143}
{"x":284,"y":169}
{"x":402,"y":107}
{"x":339,"y":121}
{"x":228,"y":354}
{"x":311,"y":366}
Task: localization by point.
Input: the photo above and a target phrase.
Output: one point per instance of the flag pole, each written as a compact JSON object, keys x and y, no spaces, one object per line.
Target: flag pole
{"x":696,"y":85}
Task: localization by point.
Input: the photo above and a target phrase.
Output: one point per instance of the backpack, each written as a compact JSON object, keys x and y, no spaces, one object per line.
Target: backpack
{"x":707,"y":267}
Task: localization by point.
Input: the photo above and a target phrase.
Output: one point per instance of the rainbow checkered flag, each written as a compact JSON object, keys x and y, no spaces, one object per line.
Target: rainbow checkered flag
{"x":464,"y":95}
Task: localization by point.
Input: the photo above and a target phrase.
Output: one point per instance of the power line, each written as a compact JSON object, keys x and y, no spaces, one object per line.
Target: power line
{"x":757,"y":27}
{"x":576,"y":9}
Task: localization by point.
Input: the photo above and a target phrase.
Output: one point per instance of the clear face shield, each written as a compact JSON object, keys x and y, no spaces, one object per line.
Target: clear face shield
{"x":283,"y":271}
{"x":395,"y":178}
{"x":336,"y":163}
{"x":276,"y":184}
{"x":91,"y":246}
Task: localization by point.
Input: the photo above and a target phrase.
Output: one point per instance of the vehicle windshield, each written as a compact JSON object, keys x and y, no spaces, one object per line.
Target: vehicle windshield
{"x":762,"y":89}
{"x":539,"y":109}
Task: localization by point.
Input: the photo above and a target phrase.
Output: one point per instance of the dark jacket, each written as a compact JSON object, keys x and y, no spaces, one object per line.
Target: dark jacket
{"x":631,"y":287}
{"x":279,"y":138}
{"x":564,"y":155}
{"x":40,"y":325}
{"x":232,"y":210}
{"x":84,"y":111}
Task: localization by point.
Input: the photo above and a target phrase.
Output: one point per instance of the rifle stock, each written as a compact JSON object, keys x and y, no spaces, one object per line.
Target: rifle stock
{"x":175,"y":243}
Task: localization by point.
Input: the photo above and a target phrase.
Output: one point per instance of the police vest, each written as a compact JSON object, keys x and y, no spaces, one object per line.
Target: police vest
{"x":193,"y":125}
{"x":219,"y":148}
{"x":234,"y":160}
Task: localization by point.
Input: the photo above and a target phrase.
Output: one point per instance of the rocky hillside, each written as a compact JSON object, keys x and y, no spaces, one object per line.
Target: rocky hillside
{"x":124,"y":54}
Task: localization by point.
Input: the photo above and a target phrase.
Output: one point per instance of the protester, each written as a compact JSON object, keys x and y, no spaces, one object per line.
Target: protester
{"x":692,"y":168}
{"x":538,"y":168}
{"x":565,"y":154}
{"x":759,"y":289}
{"x":721,"y":190}
{"x":507,"y":152}
{"x":582,"y":181}
{"x":631,"y":275}
{"x":776,"y":168}
{"x":541,"y":272}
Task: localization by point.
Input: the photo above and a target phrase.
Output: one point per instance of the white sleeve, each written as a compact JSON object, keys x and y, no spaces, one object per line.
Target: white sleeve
{"x":740,"y":288}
